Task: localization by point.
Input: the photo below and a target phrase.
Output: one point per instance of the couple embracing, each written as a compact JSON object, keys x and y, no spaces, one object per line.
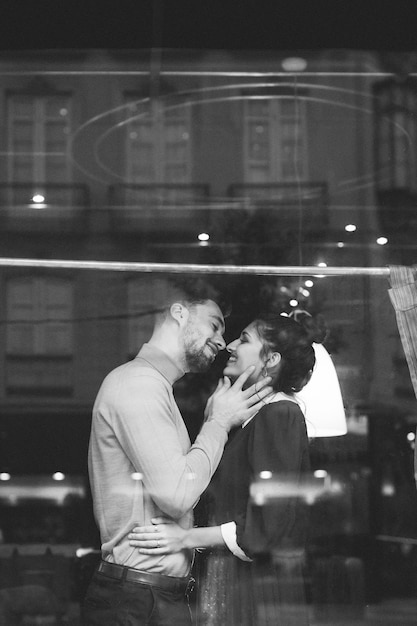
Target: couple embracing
{"x":146,"y":477}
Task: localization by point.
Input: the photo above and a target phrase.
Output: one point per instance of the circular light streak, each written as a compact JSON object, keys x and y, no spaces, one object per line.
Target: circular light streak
{"x":212,"y":95}
{"x":382,"y":241}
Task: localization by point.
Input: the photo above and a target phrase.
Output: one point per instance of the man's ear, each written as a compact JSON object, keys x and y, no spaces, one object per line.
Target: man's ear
{"x":179,"y":313}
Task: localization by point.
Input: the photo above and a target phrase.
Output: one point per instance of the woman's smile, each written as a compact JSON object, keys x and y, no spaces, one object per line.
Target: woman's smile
{"x":244,"y":352}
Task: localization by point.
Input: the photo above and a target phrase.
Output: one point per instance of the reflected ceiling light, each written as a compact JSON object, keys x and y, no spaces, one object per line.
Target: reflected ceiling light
{"x":58,"y":476}
{"x":309,"y":283}
{"x":411,"y":436}
{"x":203,"y":239}
{"x":321,"y":264}
{"x":294,"y":64}
{"x":38,"y":198}
{"x":388,"y":488}
{"x":381,"y":241}
{"x":5,"y":476}
{"x":293,"y":302}
{"x":350,"y":228}
{"x":320,"y":473}
{"x":265,"y":475}
{"x":340,"y":244}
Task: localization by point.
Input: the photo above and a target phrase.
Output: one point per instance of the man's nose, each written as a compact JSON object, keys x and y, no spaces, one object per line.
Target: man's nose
{"x":220,"y":342}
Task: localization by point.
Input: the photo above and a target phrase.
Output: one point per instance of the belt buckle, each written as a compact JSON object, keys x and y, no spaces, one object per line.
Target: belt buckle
{"x":190,"y":586}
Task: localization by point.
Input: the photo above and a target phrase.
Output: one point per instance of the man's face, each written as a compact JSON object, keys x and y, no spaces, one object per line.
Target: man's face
{"x":203,"y":336}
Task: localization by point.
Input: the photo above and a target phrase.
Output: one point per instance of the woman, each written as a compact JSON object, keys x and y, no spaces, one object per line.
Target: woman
{"x":264,"y":584}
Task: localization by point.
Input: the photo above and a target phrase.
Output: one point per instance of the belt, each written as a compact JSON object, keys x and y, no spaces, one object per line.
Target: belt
{"x":168,"y":583}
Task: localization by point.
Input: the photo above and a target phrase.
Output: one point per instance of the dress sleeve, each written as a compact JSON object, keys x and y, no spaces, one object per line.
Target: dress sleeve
{"x":279,"y":444}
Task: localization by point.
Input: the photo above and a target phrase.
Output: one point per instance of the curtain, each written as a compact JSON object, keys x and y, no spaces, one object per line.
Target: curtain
{"x":403,"y":296}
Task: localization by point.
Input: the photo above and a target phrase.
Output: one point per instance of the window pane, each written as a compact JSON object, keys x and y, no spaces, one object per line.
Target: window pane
{"x":154,"y":142}
{"x":22,"y":107}
{"x":45,"y":130}
{"x":40,"y":301}
{"x":259,"y":108}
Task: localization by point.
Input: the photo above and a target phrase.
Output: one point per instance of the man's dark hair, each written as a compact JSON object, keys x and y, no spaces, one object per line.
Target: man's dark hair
{"x":193,"y":291}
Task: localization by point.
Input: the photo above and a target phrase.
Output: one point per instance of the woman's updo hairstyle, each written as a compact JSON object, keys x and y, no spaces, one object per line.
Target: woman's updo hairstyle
{"x":293,"y":338}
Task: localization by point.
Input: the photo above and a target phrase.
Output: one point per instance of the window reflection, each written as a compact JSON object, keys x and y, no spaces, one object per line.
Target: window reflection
{"x":265,"y":160}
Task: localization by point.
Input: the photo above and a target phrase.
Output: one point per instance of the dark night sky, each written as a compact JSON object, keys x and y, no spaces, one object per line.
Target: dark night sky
{"x":232,"y":24}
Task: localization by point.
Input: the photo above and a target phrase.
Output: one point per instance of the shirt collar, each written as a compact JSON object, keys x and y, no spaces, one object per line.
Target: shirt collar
{"x":161,"y":362}
{"x":275,"y":397}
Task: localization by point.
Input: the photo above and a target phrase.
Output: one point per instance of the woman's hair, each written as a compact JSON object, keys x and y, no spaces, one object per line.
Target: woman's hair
{"x":294,"y":341}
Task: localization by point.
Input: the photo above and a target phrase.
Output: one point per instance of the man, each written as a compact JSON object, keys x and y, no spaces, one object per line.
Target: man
{"x":141,"y":463}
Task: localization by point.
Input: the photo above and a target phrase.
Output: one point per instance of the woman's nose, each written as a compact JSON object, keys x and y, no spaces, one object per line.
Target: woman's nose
{"x":231,"y":346}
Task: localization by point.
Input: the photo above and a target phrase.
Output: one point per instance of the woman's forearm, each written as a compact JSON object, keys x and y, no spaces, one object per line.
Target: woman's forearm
{"x":204,"y":537}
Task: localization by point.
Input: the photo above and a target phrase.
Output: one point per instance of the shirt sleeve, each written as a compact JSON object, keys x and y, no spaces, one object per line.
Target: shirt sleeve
{"x":150,"y":430}
{"x":278,"y":444}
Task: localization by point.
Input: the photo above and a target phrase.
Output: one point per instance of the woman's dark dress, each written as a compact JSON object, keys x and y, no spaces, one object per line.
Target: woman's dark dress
{"x":270,"y":589}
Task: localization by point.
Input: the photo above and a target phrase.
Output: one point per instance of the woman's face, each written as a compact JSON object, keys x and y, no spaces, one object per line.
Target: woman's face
{"x":244,"y":352}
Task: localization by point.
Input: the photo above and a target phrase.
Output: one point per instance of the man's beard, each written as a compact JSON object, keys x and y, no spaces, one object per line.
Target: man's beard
{"x":197,"y":359}
{"x":195,"y":355}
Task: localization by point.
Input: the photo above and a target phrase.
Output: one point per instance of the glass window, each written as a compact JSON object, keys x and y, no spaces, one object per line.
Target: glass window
{"x":39,"y":338}
{"x":395,"y":105}
{"x":158,"y":144}
{"x":275,"y":140}
{"x":39,"y":315}
{"x":38,"y":132}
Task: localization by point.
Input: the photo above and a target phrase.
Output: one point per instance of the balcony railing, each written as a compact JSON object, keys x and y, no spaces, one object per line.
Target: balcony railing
{"x":159,"y":210}
{"x":284,"y":201}
{"x":44,"y":207}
